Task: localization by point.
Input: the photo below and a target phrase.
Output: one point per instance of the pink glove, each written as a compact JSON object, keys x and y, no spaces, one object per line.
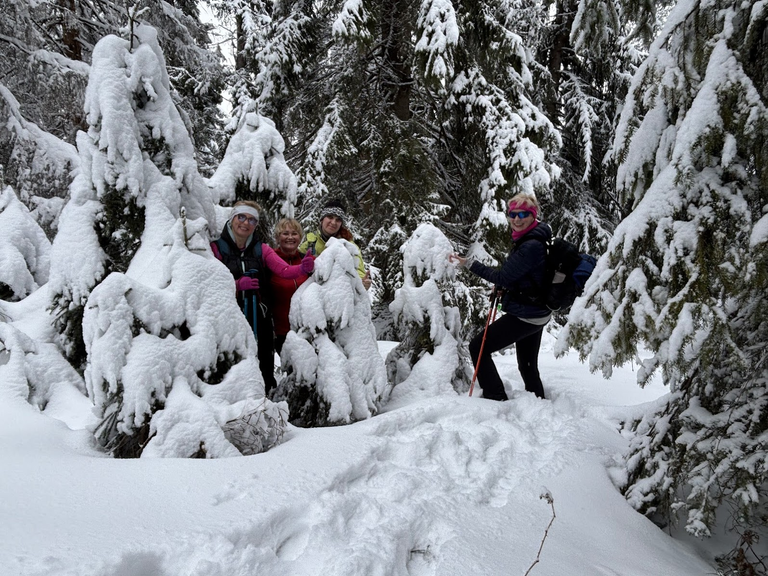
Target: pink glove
{"x":247,"y":283}
{"x":307,"y":263}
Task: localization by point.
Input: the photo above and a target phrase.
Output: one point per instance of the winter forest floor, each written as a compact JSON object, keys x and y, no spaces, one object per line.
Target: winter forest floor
{"x":432,"y":486}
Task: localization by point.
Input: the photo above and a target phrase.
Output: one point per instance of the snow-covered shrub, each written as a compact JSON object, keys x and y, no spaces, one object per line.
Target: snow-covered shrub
{"x":35,"y":372}
{"x":253,"y":167}
{"x":335,"y":374}
{"x":24,"y":249}
{"x":171,"y":358}
{"x":431,"y":355}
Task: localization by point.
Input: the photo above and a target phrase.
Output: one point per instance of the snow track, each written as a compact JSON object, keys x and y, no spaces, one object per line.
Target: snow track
{"x":389,"y":510}
{"x":438,"y":486}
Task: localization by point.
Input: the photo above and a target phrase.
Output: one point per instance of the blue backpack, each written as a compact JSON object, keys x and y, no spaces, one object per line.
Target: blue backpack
{"x":567,"y":271}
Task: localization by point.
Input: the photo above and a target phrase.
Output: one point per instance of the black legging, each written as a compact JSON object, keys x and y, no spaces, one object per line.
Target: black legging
{"x":266,"y":353}
{"x":266,"y":344}
{"x":503,"y":332}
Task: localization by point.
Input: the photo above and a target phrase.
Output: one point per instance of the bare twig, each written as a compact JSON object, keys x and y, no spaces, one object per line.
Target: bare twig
{"x":546,"y":495}
{"x":183,"y":214}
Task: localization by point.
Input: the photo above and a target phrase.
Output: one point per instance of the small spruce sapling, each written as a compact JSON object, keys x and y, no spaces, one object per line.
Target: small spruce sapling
{"x":431,"y":355}
{"x":335,"y":374}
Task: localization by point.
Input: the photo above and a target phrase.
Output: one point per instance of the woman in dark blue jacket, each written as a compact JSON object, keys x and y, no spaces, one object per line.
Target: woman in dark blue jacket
{"x":524,"y":320}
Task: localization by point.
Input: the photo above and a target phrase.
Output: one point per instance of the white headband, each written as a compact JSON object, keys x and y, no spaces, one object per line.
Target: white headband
{"x":244,"y":210}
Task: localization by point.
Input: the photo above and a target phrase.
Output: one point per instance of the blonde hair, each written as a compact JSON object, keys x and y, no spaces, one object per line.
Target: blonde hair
{"x":285,"y":224}
{"x":524,"y":200}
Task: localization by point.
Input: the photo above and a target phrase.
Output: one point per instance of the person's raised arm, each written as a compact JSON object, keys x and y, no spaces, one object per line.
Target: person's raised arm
{"x":281,"y":268}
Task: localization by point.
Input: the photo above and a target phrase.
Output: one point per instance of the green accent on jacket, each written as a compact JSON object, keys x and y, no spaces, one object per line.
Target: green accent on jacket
{"x":315,"y":240}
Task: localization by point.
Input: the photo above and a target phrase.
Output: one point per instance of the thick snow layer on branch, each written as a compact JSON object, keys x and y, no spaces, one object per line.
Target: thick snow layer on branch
{"x":352,"y":20}
{"x":254,"y":156}
{"x":24,"y":247}
{"x":34,"y":372}
{"x":54,"y":150}
{"x":426,"y":253}
{"x":74,"y":277}
{"x":439,"y":33}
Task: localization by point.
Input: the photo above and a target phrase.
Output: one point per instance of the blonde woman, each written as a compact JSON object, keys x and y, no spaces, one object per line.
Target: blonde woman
{"x":288,"y":235}
{"x":524,"y":319}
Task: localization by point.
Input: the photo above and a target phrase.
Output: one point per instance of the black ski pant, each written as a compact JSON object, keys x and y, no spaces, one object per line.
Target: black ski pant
{"x":279,"y":341}
{"x":266,"y":353}
{"x":504,"y":332}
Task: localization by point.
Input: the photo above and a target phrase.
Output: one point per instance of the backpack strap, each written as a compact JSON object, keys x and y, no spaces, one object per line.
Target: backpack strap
{"x":258,"y":258}
{"x":222,"y":245}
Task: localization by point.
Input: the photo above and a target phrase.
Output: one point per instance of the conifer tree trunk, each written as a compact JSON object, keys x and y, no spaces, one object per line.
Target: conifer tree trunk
{"x":560,"y":43}
{"x":391,"y":35}
{"x":70,"y":36}
{"x":240,"y":59}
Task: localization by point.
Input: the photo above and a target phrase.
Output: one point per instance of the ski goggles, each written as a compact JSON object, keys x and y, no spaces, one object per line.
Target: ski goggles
{"x":522,"y":214}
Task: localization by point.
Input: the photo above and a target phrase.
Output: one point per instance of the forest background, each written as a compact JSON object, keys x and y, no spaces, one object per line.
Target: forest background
{"x":641,"y":126}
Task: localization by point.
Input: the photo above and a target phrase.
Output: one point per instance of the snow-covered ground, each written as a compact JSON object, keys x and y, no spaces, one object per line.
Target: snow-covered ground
{"x":433,"y":486}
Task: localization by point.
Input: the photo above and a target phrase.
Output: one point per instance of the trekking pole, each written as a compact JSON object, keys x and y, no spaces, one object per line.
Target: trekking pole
{"x":482,"y":344}
{"x":255,"y":305}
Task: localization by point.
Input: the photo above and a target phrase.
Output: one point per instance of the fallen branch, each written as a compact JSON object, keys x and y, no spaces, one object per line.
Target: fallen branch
{"x":546,"y":495}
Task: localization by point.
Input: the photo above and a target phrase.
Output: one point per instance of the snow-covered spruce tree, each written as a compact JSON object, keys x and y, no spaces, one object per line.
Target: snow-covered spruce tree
{"x":172,"y":364}
{"x":24,"y":249}
{"x":133,"y":122}
{"x":335,"y":374}
{"x":414,"y":111}
{"x":36,"y":161}
{"x":431,"y":357}
{"x":685,"y":274}
{"x":253,"y":168}
{"x":586,"y":61}
{"x":45,"y":48}
{"x":170,"y":359}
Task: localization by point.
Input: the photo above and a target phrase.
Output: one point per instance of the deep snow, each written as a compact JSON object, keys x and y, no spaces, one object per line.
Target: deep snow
{"x":432,"y":486}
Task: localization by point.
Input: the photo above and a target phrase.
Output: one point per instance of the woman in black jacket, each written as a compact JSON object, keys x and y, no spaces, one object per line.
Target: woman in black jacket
{"x":252,"y":263}
{"x":524,"y":320}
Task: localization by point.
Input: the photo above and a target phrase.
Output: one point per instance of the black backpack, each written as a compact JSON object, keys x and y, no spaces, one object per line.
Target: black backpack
{"x":566,"y":272}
